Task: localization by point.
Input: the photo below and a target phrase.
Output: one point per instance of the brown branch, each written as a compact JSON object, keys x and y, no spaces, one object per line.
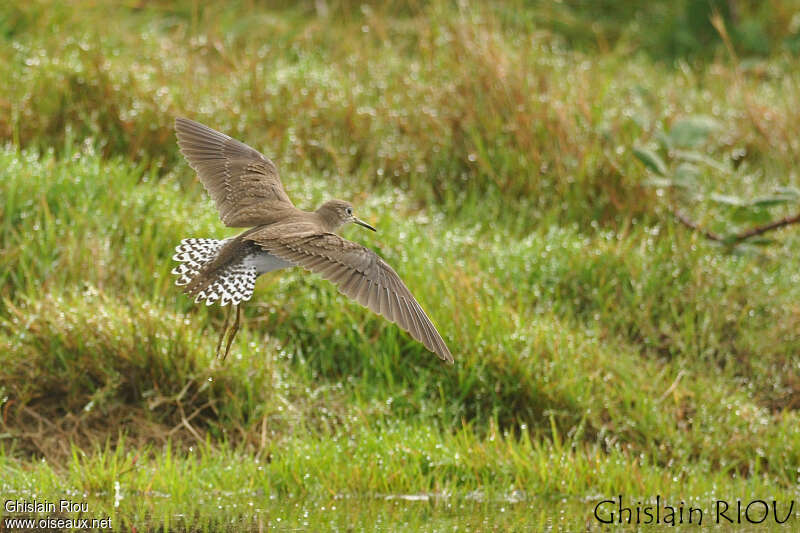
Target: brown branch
{"x":738,"y":237}
{"x":686,"y":221}
{"x":785,"y":221}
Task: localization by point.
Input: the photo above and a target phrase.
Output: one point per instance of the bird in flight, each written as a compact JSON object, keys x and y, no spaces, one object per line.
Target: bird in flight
{"x":248,"y":193}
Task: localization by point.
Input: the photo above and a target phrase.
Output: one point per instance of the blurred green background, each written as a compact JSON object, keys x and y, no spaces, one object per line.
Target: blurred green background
{"x":524,"y":163}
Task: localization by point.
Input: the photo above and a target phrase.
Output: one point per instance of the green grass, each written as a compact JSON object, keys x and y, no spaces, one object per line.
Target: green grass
{"x":447,"y":470}
{"x":601,"y":347}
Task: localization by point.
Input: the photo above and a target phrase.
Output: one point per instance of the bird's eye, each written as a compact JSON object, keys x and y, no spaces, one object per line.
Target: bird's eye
{"x":349,"y":211}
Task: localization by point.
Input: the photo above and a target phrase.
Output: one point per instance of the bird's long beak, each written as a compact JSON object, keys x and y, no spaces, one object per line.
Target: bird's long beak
{"x":362,"y":223}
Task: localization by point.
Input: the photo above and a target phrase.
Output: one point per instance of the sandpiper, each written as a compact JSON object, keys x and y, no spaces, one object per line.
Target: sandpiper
{"x":248,"y":193}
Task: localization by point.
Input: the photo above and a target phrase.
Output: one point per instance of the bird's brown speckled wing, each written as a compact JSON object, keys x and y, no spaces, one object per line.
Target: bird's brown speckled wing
{"x":360,"y":274}
{"x":244,"y":184}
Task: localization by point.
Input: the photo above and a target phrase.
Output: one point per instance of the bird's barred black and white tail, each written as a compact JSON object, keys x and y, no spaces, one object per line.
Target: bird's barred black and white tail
{"x":193,"y":254}
{"x":231,"y":284}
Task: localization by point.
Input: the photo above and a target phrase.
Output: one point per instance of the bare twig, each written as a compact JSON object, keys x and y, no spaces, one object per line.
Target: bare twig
{"x":758,"y":230}
{"x":672,"y":387}
{"x":185,"y":423}
{"x":738,"y":237}
{"x":686,"y":221}
{"x":263,"y":434}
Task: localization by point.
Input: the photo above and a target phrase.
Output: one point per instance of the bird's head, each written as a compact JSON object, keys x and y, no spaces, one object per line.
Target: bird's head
{"x":337,"y":213}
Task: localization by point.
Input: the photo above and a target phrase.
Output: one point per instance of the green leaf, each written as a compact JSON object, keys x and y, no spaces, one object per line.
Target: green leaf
{"x":692,"y":131}
{"x":750,"y":215}
{"x":651,"y":160}
{"x":727,"y":199}
{"x":660,"y":182}
{"x":790,"y":192}
{"x":664,"y":140}
{"x":696,"y":157}
{"x":761,"y":241}
{"x":769,"y":201}
{"x":686,"y":174}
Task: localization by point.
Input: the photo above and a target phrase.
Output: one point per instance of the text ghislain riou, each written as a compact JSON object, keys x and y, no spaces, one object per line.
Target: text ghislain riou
{"x":44,"y":506}
{"x":616,"y":511}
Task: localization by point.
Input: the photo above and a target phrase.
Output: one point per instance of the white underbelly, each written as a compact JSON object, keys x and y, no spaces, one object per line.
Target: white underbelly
{"x":264,"y":262}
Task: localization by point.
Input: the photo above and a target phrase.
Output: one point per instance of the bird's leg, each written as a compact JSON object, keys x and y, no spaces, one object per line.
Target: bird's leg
{"x":234,"y":329}
{"x":224,"y":329}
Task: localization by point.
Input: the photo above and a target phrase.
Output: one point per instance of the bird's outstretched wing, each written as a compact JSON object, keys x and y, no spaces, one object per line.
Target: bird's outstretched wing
{"x":360,"y":274}
{"x":244,"y":184}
